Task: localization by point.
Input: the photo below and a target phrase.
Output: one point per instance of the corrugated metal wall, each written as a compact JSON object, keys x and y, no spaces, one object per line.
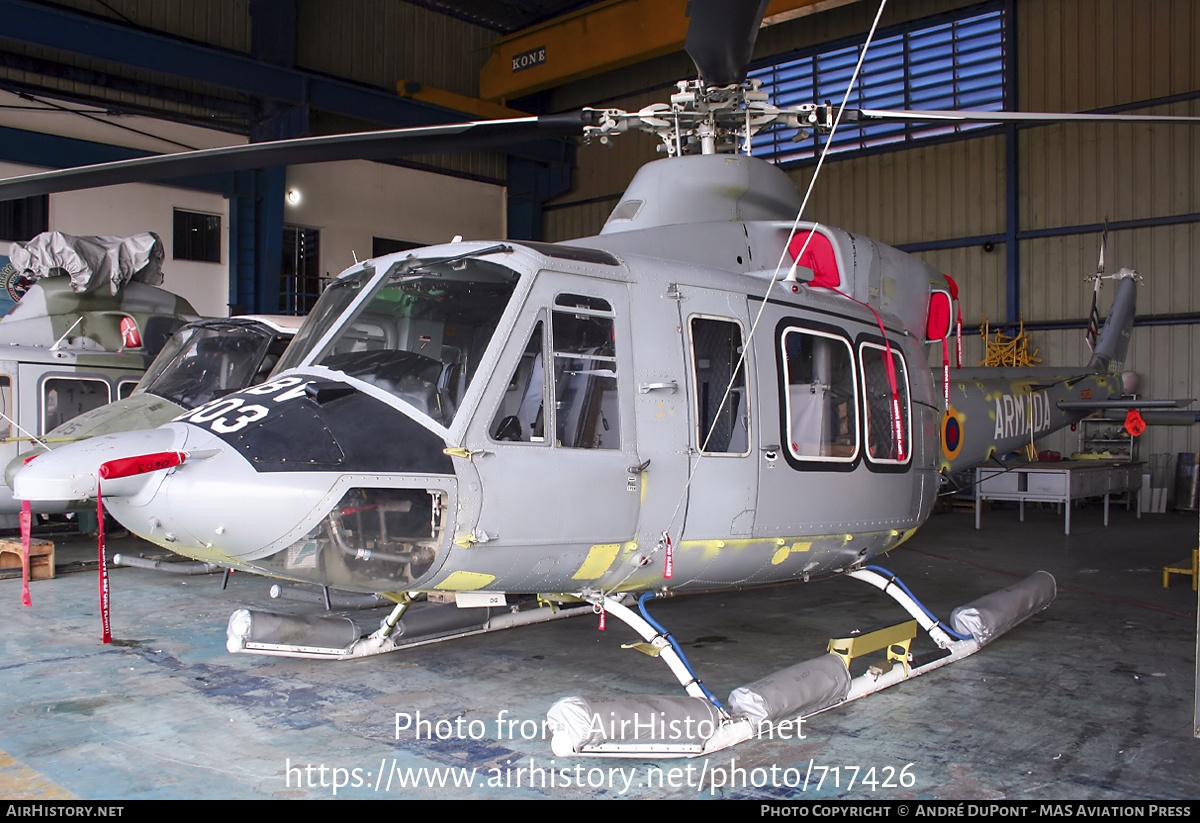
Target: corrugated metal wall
{"x":376,"y":42}
{"x":381,"y":41}
{"x":1085,"y":54}
{"x":1072,"y":55}
{"x":371,"y":41}
{"x":222,"y":23}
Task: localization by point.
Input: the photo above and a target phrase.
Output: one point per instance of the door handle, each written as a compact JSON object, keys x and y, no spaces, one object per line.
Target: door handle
{"x":646,"y":388}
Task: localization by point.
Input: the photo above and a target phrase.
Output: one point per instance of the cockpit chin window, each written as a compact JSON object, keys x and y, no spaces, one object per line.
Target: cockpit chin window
{"x":422,"y":333}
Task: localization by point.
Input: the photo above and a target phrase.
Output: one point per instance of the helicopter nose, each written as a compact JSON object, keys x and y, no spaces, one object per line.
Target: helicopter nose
{"x":130,"y":461}
{"x":179,"y":486}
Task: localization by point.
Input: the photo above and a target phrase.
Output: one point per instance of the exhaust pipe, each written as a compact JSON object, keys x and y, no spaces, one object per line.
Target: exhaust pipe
{"x":192,"y":568}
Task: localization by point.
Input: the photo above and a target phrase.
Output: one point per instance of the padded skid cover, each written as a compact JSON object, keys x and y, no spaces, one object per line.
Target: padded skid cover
{"x":793,"y":692}
{"x":288,"y":630}
{"x":992,"y":615}
{"x":648,"y":720}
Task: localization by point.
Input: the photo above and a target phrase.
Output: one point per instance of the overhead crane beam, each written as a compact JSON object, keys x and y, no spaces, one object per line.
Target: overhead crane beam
{"x":597,"y":39}
{"x":63,"y":30}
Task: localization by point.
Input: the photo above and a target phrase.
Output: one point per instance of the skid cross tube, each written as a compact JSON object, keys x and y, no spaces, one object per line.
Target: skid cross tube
{"x":892,"y":586}
{"x":659,"y":640}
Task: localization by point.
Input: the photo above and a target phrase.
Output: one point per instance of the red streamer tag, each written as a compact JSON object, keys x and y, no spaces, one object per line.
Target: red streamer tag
{"x":129,"y":466}
{"x":26,"y":528}
{"x":946,"y":371}
{"x":669,"y":564}
{"x":103,"y":565}
{"x":603,"y":614}
{"x":958,"y":339}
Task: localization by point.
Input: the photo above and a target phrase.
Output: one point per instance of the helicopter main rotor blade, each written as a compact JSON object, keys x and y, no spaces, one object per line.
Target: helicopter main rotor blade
{"x":375,"y":145}
{"x":1012,"y":116}
{"x":721,"y":35}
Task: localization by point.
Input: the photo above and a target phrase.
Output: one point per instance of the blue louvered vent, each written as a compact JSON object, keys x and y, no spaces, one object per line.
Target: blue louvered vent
{"x":955,"y":64}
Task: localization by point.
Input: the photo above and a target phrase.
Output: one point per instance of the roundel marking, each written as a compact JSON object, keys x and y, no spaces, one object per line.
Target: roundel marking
{"x":952,"y":434}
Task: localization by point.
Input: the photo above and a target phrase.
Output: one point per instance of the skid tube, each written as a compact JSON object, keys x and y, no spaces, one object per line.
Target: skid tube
{"x":777,"y":705}
{"x":338,"y":638}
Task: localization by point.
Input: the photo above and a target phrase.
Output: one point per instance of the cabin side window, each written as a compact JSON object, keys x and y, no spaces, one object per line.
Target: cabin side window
{"x":521,"y":416}
{"x":66,"y":397}
{"x":820,"y":404}
{"x":889,"y":438}
{"x":584,"y":373}
{"x":6,"y":405}
{"x":721,"y":402}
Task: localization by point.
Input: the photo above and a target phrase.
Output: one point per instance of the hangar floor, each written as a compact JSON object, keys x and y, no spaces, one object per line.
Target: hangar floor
{"x":1092,"y":699}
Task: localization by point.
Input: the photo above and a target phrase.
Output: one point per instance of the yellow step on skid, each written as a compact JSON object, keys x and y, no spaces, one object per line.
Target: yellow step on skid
{"x":896,"y":639}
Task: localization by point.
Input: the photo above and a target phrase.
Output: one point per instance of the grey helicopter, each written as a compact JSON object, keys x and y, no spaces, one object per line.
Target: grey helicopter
{"x":711,"y":393}
{"x":203,"y":360}
{"x":86,"y":321}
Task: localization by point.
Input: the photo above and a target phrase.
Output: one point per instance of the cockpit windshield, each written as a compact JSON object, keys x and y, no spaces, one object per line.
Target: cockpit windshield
{"x":333,"y":302}
{"x":211,"y":359}
{"x":422,"y":333}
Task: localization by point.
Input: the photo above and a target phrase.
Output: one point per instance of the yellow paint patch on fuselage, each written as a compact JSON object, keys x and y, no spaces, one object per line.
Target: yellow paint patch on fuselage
{"x":598,"y":561}
{"x":786,"y":551}
{"x":465,"y":581}
{"x":711,"y":547}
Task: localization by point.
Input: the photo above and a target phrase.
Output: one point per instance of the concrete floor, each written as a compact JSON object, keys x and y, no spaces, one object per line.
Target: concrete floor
{"x":1092,"y":699}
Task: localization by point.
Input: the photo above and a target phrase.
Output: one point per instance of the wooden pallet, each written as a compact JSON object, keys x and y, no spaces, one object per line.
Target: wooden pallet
{"x":41,"y":557}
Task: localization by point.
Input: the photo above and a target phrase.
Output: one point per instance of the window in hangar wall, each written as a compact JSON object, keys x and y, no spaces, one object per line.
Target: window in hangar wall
{"x":385,"y":245}
{"x":25,"y":217}
{"x":300,"y":272}
{"x":949,"y":62}
{"x":196,"y":236}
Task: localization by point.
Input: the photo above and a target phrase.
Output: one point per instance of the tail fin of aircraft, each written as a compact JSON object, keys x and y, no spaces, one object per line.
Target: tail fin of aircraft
{"x":1109,"y":355}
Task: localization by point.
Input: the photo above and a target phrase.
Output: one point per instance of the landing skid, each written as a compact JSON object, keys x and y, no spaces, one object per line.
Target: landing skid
{"x":777,"y":705}
{"x":338,"y":638}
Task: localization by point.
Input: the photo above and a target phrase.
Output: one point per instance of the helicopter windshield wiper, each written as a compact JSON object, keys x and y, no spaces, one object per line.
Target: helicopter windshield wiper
{"x":439,"y":261}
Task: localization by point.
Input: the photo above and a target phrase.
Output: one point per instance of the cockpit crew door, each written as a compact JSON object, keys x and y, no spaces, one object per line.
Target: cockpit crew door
{"x":555,"y":433}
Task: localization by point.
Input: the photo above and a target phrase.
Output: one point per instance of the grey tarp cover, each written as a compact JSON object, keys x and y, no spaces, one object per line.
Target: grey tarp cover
{"x":992,"y":615}
{"x":792,"y":692}
{"x":92,"y":262}
{"x":591,"y":721}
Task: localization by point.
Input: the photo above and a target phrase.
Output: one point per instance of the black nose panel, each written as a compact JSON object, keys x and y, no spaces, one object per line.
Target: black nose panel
{"x":336,"y":429}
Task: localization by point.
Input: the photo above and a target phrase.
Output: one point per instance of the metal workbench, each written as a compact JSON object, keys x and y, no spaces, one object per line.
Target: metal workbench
{"x":1057,"y":482}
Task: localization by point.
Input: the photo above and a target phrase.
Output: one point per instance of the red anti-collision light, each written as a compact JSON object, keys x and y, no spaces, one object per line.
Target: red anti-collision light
{"x":131,"y":338}
{"x":142,"y":464}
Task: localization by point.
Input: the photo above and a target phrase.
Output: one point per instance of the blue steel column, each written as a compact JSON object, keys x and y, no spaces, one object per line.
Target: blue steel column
{"x":256,"y":240}
{"x":530,"y":184}
{"x":256,"y":214}
{"x":1012,"y":176}
{"x":242,"y":237}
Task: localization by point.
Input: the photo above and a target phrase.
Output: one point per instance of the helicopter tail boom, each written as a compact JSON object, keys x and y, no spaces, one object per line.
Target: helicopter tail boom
{"x":1109,"y":354}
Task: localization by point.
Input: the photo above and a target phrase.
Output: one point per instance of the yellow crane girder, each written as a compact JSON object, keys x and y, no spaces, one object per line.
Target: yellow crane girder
{"x":597,"y":39}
